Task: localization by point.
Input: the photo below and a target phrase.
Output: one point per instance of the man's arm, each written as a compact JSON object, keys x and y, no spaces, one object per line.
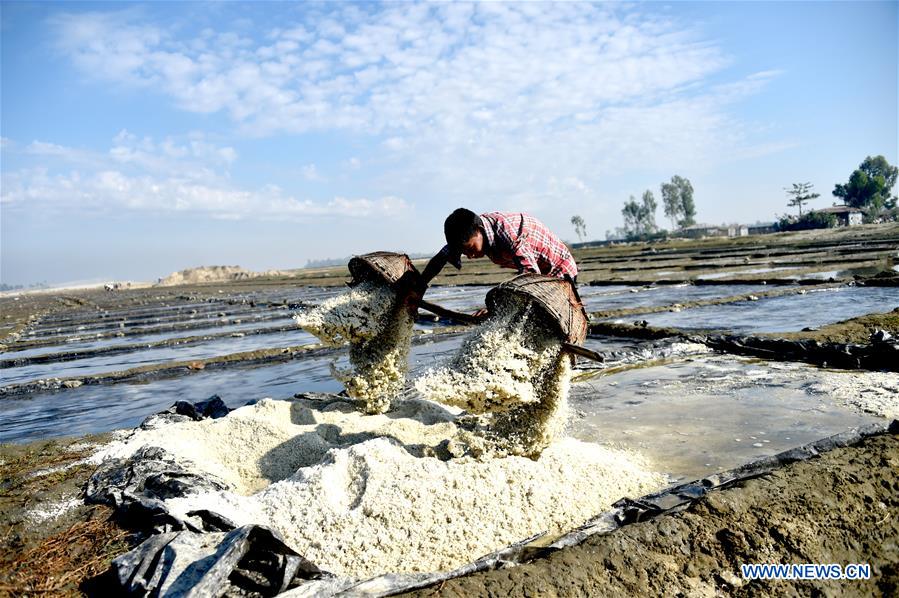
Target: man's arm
{"x":435,"y":265}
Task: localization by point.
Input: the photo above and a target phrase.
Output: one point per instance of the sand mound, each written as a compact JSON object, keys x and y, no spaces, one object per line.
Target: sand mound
{"x":206,"y":274}
{"x":203,"y":274}
{"x":378,"y":327}
{"x":359,"y":494}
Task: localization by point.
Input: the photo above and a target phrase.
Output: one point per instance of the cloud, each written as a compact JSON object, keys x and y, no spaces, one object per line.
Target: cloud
{"x":310,"y":173}
{"x":509,"y":101}
{"x":143,"y":175}
{"x":399,"y":68}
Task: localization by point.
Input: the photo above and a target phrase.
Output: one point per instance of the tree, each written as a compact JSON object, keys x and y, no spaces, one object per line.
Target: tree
{"x":649,"y":212}
{"x":677,"y":196}
{"x":809,"y":221}
{"x":639,"y":218}
{"x":580,"y":227}
{"x":869,"y":185}
{"x":801,"y":194}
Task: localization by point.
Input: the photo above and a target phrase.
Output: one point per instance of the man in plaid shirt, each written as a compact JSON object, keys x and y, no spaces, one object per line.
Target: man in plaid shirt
{"x":510,"y":239}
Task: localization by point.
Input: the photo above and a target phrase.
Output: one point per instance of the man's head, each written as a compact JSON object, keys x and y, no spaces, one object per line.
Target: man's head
{"x":463,"y":233}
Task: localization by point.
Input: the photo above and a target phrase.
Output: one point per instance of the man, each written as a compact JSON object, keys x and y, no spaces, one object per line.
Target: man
{"x":510,"y":239}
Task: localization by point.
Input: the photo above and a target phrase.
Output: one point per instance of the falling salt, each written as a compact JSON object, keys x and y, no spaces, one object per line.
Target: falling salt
{"x":512,"y":372}
{"x":378,"y":327}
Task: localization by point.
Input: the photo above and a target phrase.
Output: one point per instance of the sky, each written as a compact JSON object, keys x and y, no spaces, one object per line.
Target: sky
{"x":143,"y":138}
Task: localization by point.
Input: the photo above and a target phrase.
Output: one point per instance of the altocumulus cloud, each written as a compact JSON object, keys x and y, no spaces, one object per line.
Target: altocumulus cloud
{"x":500,"y":99}
{"x":167,"y":176}
{"x":402,"y":67}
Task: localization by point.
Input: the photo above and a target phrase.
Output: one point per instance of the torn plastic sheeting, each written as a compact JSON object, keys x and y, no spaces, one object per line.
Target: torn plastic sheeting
{"x":882,"y":355}
{"x":254,"y":559}
{"x":185,"y":563}
{"x":201,"y":559}
{"x":137,"y":487}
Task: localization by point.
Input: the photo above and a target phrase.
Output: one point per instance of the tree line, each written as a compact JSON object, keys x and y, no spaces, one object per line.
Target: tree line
{"x":869,"y":189}
{"x":640,"y":216}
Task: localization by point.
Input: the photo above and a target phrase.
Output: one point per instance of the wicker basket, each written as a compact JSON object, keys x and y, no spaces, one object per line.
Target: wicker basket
{"x":381,"y":266}
{"x":556,"y":296}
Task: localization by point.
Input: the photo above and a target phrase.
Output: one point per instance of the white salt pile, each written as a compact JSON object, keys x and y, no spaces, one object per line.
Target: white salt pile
{"x":268,"y":441}
{"x":364,"y":498}
{"x":512,"y":370}
{"x":372,"y":318}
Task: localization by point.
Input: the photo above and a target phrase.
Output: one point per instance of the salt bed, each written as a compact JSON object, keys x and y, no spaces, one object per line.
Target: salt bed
{"x":361,"y":495}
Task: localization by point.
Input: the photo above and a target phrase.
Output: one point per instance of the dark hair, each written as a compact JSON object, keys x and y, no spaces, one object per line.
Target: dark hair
{"x":460,"y":226}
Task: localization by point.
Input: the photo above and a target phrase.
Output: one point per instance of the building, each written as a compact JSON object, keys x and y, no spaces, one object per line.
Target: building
{"x":845,"y":215}
{"x":762,"y":228}
{"x":697,"y":231}
{"x":737,"y":230}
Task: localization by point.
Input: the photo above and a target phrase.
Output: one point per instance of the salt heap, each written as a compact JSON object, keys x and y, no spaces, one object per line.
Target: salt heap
{"x":360,"y":495}
{"x":512,"y":370}
{"x":372,"y":318}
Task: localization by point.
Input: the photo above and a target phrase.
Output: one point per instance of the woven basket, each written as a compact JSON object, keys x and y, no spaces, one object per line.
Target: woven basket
{"x":557,"y":297}
{"x":380,"y":266}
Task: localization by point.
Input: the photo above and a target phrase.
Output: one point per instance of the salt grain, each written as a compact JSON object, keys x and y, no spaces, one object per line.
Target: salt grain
{"x":365,"y":498}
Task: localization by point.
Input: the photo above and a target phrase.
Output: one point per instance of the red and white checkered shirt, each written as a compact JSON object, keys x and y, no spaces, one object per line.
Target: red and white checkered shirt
{"x":521,"y":242}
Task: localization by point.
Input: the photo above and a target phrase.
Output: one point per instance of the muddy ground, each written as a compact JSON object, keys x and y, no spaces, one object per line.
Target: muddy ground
{"x":842,"y":507}
{"x":42,"y":553}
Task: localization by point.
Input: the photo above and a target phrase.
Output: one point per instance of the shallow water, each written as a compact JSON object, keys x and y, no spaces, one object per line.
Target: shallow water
{"x":655,"y":296}
{"x":596,"y":298}
{"x":122,"y":361}
{"x":87,"y":343}
{"x":695,"y":417}
{"x":92,"y":325}
{"x":787,"y":313}
{"x":744,"y":272}
{"x":91,"y":409}
{"x":108,"y":331}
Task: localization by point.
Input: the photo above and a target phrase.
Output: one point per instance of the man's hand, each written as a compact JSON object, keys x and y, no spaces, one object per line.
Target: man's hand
{"x":481,"y":314}
{"x":413,"y":298}
{"x":411,"y":288}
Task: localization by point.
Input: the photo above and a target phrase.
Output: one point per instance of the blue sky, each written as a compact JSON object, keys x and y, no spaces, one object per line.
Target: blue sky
{"x":139,"y":139}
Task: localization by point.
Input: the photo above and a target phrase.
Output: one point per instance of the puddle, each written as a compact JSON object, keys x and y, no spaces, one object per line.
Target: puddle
{"x":696,"y":417}
{"x":788,"y":313}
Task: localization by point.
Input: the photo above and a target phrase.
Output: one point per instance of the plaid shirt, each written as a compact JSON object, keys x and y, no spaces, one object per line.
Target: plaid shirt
{"x":521,"y":242}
